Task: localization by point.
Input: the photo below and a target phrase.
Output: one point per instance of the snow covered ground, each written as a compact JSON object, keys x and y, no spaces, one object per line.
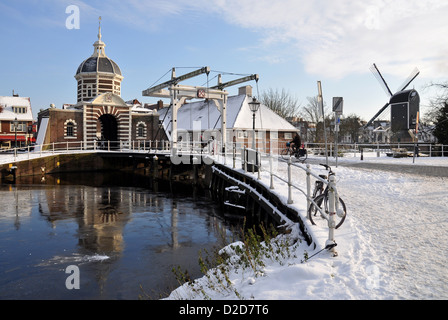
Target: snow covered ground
{"x":391,"y":246}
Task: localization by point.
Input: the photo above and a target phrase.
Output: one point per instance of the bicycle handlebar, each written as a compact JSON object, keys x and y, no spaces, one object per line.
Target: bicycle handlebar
{"x":330,"y":172}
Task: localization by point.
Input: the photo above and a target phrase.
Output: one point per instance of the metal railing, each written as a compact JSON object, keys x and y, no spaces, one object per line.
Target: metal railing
{"x":333,"y":195}
{"x":29,"y":152}
{"x":210,"y":149}
{"x":355,"y":149}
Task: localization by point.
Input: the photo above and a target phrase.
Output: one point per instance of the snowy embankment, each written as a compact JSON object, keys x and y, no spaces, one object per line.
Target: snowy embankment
{"x":391,"y":246}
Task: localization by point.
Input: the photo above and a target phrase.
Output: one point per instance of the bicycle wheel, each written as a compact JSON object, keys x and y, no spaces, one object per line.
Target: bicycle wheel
{"x":321,"y":202}
{"x":285,"y":154}
{"x":302,"y":156}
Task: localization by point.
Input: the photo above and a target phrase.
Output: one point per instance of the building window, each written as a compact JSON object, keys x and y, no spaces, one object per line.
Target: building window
{"x":21,"y":127}
{"x":70,"y":129}
{"x":288,"y":135}
{"x":19,"y":109}
{"x":242,"y":134}
{"x":141,"y":130}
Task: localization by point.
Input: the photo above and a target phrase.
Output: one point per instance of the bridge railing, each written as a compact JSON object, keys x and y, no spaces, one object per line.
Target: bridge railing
{"x":34,"y":151}
{"x":378,"y":149}
{"x":154,"y":146}
{"x":264,"y":165}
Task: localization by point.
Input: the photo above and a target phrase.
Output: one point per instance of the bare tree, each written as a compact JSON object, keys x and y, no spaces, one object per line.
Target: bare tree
{"x":438,"y":111}
{"x":281,"y":102}
{"x":312,"y":111}
{"x":437,"y":101}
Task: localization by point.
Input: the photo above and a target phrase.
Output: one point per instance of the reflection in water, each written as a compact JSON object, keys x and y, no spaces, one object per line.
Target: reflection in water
{"x":122,"y":238}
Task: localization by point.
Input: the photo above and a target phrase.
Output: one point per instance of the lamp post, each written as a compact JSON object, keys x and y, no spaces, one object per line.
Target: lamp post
{"x":15,"y":122}
{"x":253,"y":106}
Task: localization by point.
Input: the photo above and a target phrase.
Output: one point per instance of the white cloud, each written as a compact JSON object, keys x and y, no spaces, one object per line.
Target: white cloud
{"x":331,"y":38}
{"x":338,"y":38}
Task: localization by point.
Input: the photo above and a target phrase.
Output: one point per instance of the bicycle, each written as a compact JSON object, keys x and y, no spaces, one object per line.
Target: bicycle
{"x":320,"y":202}
{"x":300,"y":154}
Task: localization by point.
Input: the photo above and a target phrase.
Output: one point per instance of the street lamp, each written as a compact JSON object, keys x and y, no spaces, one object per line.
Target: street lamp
{"x":15,"y":122}
{"x":253,"y":106}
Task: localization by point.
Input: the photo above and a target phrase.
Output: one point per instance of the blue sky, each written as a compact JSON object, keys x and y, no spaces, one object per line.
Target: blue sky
{"x":290,"y":44}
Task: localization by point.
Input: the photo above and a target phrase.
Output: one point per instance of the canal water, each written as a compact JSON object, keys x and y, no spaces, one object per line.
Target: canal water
{"x":113,"y":237}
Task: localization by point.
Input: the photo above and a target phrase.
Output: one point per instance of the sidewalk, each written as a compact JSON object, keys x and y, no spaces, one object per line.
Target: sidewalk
{"x":432,"y":167}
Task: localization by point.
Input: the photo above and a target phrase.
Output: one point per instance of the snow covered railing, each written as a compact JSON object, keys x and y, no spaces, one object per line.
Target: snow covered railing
{"x":333,"y":196}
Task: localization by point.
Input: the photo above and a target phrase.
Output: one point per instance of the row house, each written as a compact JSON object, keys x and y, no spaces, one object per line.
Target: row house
{"x":16,"y":122}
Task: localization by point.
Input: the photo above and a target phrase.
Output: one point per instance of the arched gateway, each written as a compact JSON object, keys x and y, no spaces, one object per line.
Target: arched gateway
{"x":108,"y":128}
{"x":107,"y":117}
{"x":100,"y":113}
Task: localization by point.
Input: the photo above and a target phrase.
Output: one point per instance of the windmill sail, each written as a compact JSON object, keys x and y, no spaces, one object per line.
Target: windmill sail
{"x":385,"y":87}
{"x":409,"y":79}
{"x":376,"y":115}
{"x":380,"y":79}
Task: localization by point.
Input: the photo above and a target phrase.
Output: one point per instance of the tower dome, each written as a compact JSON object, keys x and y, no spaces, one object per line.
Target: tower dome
{"x":98,"y":73}
{"x":98,"y":64}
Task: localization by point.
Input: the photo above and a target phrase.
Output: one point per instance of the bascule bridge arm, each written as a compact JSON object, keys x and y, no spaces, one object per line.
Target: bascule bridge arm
{"x":179,"y":94}
{"x":221,"y":86}
{"x":176,"y":100}
{"x":175,"y":80}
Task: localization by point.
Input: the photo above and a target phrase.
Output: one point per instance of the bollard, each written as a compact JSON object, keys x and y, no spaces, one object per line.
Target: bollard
{"x":289,"y":182}
{"x":244,"y":159}
{"x":270,"y":171}
{"x":331,"y":213}
{"x":234,"y":155}
{"x":155,"y":163}
{"x":308,"y":185}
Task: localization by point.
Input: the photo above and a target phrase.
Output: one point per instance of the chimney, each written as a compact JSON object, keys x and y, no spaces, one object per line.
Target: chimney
{"x":247,"y":90}
{"x":159,"y":104}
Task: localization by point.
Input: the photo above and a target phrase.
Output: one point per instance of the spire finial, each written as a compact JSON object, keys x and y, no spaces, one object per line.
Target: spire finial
{"x":99,"y":45}
{"x":99,"y":28}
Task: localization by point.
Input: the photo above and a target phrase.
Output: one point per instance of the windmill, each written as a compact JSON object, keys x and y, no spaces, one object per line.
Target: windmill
{"x":404,"y":103}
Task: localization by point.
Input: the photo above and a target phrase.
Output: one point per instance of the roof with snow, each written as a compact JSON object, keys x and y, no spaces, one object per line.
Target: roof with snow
{"x":239,"y":116}
{"x":6,"y":106}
